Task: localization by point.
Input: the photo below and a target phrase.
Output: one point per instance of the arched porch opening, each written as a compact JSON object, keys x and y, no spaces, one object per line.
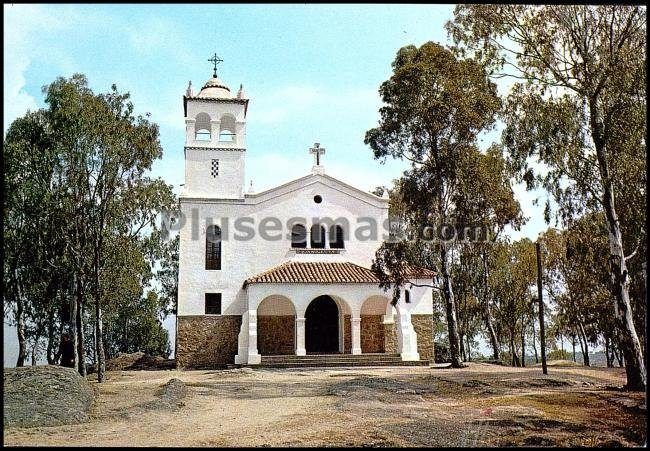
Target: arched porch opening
{"x":276,"y":325}
{"x":327,"y":326}
{"x":378,"y":333}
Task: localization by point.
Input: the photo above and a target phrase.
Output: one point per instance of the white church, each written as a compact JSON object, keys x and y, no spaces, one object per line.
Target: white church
{"x":282,"y":275}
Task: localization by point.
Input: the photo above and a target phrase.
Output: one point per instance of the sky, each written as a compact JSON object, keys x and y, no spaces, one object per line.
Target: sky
{"x":312,"y":74}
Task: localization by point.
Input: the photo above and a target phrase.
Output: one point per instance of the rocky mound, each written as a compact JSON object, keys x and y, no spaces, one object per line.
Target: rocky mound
{"x":168,"y":397}
{"x":138,"y":361}
{"x":45,"y":395}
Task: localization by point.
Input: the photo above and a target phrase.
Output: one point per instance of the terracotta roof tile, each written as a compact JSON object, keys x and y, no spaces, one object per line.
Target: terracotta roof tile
{"x":326,"y":272}
{"x":416,"y":272}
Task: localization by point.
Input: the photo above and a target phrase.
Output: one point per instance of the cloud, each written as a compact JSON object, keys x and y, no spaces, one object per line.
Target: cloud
{"x":26,"y":28}
{"x":19,"y":22}
{"x":160,"y":36}
{"x":293,"y":102}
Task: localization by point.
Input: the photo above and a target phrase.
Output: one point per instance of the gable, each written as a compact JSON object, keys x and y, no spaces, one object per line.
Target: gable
{"x":315,"y":179}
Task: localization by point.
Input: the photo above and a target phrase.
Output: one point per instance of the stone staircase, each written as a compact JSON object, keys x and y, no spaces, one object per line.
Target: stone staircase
{"x":335,"y":360}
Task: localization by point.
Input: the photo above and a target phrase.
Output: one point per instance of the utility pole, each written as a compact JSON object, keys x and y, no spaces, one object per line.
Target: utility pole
{"x":542,"y":337}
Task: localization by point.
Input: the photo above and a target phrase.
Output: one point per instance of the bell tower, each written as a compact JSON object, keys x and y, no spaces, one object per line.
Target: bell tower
{"x":215,"y":139}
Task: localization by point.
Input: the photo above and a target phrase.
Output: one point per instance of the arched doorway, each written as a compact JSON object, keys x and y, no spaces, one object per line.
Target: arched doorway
{"x":322,"y":326}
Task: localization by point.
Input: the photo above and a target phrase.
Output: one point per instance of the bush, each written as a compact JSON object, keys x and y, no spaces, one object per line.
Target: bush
{"x":558,"y":354}
{"x":441,"y":352}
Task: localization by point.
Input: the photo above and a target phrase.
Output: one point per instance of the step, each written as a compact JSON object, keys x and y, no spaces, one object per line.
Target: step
{"x":339,"y":364}
{"x":327,"y":360}
{"x":335,"y":360}
{"x":336,"y":356}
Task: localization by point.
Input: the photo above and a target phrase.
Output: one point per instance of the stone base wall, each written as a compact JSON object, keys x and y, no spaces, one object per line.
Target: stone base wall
{"x":423,"y":325}
{"x":276,"y":335}
{"x":206,"y":341}
{"x":347,"y":334}
{"x":390,"y":338}
{"x":372,"y":334}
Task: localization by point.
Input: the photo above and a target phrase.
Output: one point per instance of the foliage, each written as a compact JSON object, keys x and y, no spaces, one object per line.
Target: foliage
{"x":558,"y":354}
{"x":81,"y":214}
{"x":435,"y":106}
{"x":575,"y":123}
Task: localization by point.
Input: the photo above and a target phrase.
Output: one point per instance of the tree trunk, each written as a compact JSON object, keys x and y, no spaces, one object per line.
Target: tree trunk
{"x":489,"y":321}
{"x":513,"y":351}
{"x":583,"y":337}
{"x":540,"y":299}
{"x":450,"y":307}
{"x":523,"y":343}
{"x":469,"y":350}
{"x":34,"y":351}
{"x":629,"y":342}
{"x":618,"y":353}
{"x":51,"y":334}
{"x":582,"y":349}
{"x":20,"y":321}
{"x":573,"y":344}
{"x":99,"y":336}
{"x":532,"y":304}
{"x":607,"y":358}
{"x":461,"y":343}
{"x":79,"y":326}
{"x":20,"y":332}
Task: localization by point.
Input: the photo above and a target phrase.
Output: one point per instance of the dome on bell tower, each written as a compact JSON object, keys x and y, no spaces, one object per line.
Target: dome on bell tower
{"x":214,"y":88}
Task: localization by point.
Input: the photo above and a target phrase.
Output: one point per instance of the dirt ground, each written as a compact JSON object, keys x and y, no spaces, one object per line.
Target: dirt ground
{"x":481,"y":405}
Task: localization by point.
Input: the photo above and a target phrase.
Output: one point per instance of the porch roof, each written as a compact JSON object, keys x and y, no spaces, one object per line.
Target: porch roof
{"x":326,"y":272}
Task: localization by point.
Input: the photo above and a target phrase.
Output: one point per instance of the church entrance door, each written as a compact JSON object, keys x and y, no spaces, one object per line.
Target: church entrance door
{"x":322,"y":326}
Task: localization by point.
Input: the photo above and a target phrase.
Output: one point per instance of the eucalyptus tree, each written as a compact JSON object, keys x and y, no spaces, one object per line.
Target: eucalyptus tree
{"x":580,"y":110}
{"x":511,"y":279}
{"x":489,"y":204}
{"x":31,"y":243}
{"x":435,"y":107}
{"x":577,"y":279}
{"x":82,"y":208}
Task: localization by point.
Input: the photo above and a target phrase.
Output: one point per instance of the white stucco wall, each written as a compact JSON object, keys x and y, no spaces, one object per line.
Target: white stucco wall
{"x":199,"y":181}
{"x":244,"y":259}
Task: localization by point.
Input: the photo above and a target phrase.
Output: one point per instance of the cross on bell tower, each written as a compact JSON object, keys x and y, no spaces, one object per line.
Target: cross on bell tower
{"x":216,"y":60}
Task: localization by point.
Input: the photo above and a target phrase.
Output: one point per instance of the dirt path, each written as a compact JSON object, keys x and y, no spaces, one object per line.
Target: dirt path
{"x":400,"y":406}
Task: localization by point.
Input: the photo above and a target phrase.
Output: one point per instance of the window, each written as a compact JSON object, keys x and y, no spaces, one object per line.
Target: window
{"x":213,"y":303}
{"x":213,"y":247}
{"x":407,"y":296}
{"x":318,"y":199}
{"x":299,"y":236}
{"x":202,"y":127}
{"x":336,"y":237}
{"x":215,"y":168}
{"x":317,"y":236}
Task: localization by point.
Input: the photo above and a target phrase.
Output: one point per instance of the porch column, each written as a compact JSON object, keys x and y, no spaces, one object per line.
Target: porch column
{"x":300,"y":336}
{"x":253,"y":357}
{"x":407,"y":341}
{"x":242,"y":341}
{"x":356,"y":334}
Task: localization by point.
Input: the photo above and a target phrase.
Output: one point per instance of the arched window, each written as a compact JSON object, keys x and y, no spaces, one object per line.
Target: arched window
{"x":317,"y":237}
{"x":299,"y":236}
{"x":227,"y":128}
{"x":202,"y":127}
{"x":336,"y":237}
{"x":213,"y":247}
{"x":407,"y":296}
